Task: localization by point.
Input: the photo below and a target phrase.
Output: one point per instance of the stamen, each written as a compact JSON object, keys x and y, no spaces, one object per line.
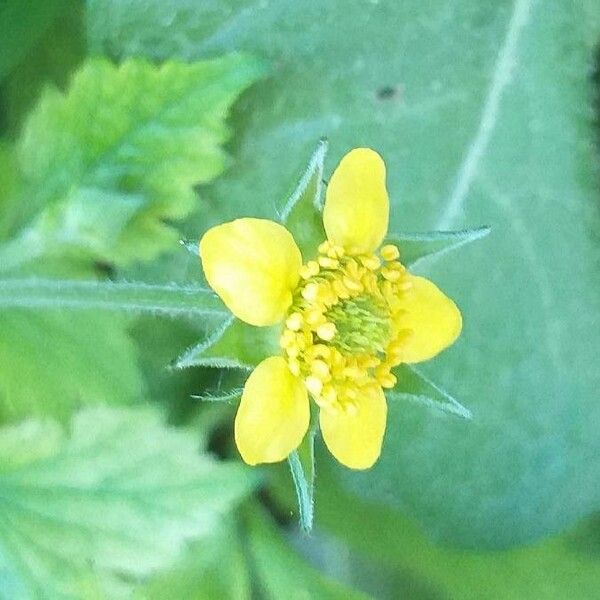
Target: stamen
{"x":344,"y":331}
{"x":389,"y":252}
{"x":326,"y":331}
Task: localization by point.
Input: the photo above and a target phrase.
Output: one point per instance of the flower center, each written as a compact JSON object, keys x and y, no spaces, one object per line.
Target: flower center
{"x":362,"y":325}
{"x":342,"y":334}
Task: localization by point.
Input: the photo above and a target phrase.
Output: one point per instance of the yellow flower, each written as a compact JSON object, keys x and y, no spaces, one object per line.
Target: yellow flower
{"x":348,"y":317}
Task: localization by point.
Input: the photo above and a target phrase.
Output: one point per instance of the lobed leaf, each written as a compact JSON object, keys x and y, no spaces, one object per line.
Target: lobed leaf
{"x":77,"y":513}
{"x":136,"y":128}
{"x":51,"y":363}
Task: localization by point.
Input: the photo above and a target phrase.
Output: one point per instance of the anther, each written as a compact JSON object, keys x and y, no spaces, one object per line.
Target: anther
{"x":326,"y":331}
{"x":287,"y":339}
{"x":310,"y":269}
{"x":314,"y":385}
{"x":352,"y":284}
{"x":328,"y":263}
{"x":311,"y":292}
{"x":391,"y":274}
{"x":294,"y":321}
{"x":320,"y":369}
{"x":389,"y":252}
{"x":324,"y":247}
{"x":294,"y":366}
{"x":371,"y":261}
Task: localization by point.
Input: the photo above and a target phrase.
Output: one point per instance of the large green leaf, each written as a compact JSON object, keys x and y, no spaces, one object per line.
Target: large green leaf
{"x":567,"y":566}
{"x":111,"y":503}
{"x":215,"y":567}
{"x":478,"y":126}
{"x":136,"y":128}
{"x":54,"y":362}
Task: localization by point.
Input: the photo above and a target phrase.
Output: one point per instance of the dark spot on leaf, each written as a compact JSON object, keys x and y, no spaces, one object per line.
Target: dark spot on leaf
{"x":105,"y":269}
{"x":389,"y":92}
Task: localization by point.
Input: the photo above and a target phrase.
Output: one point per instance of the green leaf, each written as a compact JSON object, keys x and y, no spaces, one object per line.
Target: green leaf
{"x":105,"y":186}
{"x":113,"y":502}
{"x":502,"y":137}
{"x":21,"y":25}
{"x":50,"y":59}
{"x":155,"y":132}
{"x":233,"y":344}
{"x":414,"y":386}
{"x":302,"y":211}
{"x":565,"y":566}
{"x":216,"y":567}
{"x":87,"y":225}
{"x":53,"y":362}
{"x":8,"y":179}
{"x":280,"y":572}
{"x":415,"y":247}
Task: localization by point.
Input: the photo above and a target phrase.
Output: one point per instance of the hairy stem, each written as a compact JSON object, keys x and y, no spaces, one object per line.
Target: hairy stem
{"x":134,"y":297}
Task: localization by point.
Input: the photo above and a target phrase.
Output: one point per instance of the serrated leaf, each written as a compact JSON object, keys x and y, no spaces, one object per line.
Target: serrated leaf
{"x":414,"y":386}
{"x":52,"y":363}
{"x":107,"y":164}
{"x":301,"y":213}
{"x":115,"y":501}
{"x":155,"y":131}
{"x":415,"y":247}
{"x":502,"y":138}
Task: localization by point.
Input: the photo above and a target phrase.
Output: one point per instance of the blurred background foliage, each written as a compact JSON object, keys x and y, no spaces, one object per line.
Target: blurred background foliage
{"x":484,"y":113}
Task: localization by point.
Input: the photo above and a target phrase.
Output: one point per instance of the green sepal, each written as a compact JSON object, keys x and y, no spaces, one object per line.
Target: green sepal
{"x":191,"y":246}
{"x":302,"y":466}
{"x":302,"y":211}
{"x":225,"y":396}
{"x":415,"y":387}
{"x":414,"y":247}
{"x":232,"y":344}
{"x":228,"y":386}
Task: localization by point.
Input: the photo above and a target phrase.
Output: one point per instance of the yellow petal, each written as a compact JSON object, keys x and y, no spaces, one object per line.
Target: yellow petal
{"x":355,"y":438}
{"x":357,"y":208}
{"x":253,"y":264}
{"x":273,"y":414}
{"x":434,"y":320}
